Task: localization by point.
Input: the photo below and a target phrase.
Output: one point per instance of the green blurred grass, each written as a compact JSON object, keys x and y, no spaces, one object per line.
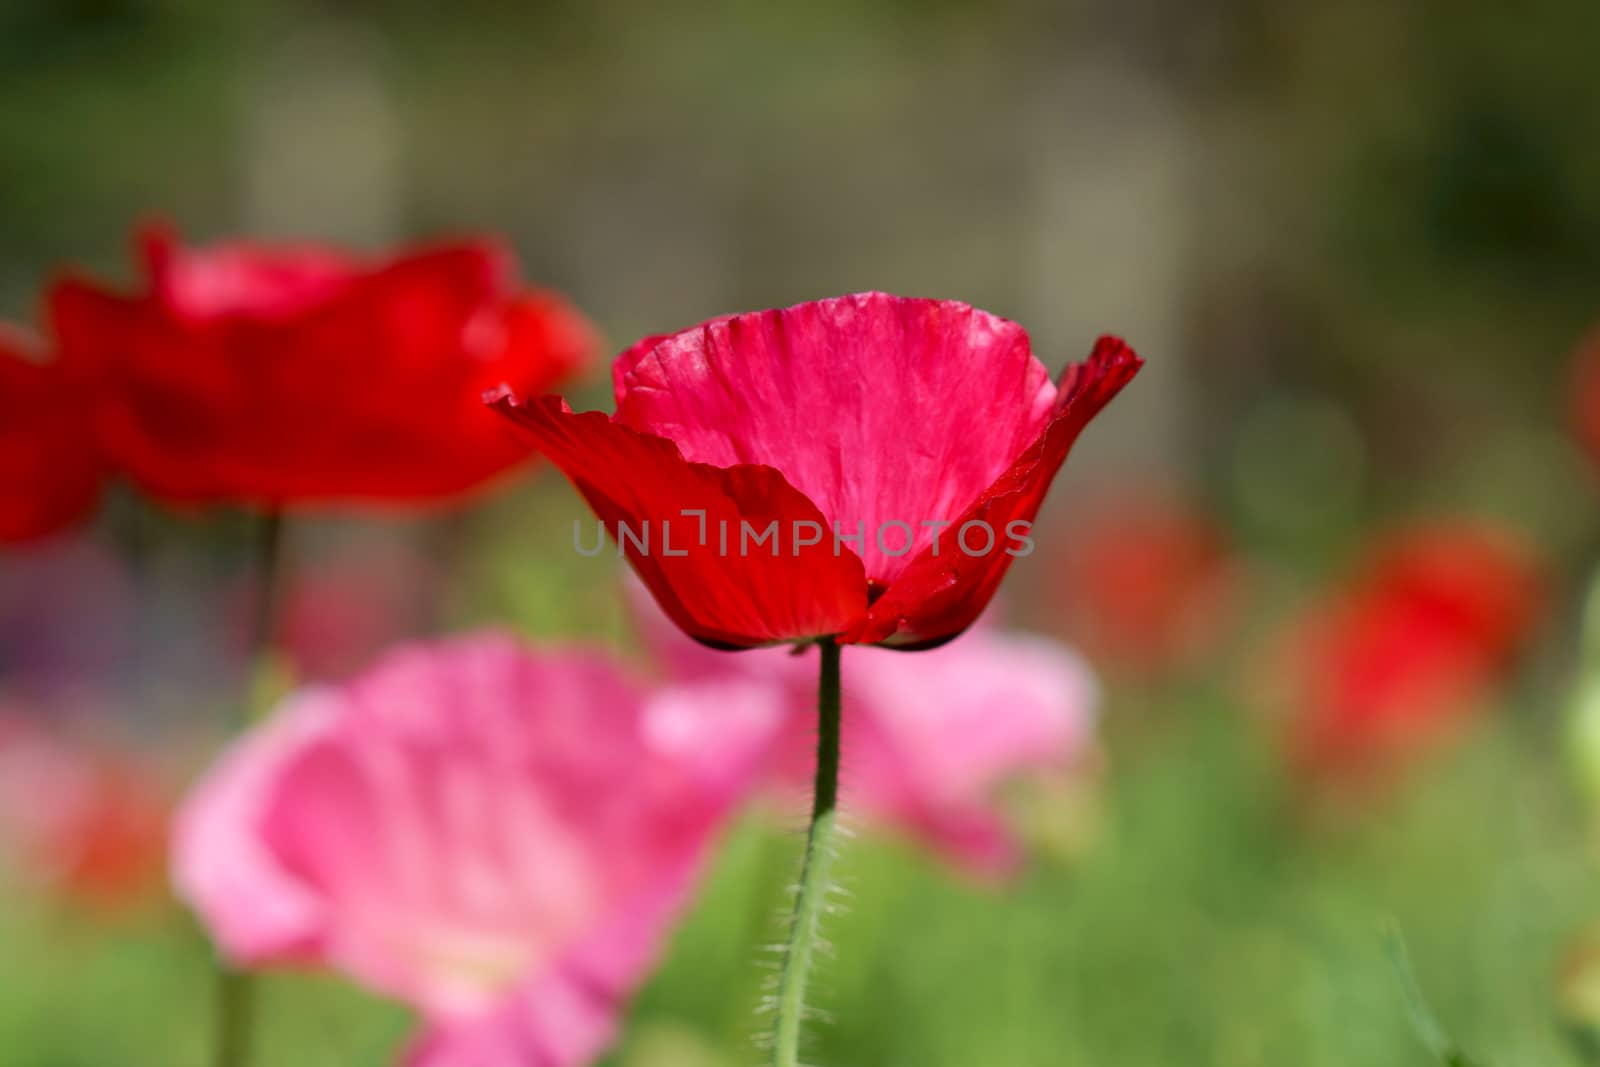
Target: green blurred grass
{"x":1211,"y":922}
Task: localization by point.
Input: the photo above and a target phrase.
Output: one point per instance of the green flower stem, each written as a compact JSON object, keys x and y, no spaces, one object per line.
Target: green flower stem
{"x":811,"y":896}
{"x":235,"y":1016}
{"x":234,"y":993}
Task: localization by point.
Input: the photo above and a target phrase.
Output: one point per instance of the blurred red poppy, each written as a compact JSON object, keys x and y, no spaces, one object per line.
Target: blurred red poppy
{"x":1147,"y":582}
{"x":339,"y":612}
{"x":88,"y":824}
{"x":863,"y":467}
{"x":1584,"y":396}
{"x":1428,"y":625}
{"x":50,"y":466}
{"x":285,"y":375}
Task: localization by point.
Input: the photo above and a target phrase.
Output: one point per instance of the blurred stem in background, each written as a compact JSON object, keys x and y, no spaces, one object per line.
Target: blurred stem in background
{"x":1578,"y":981}
{"x":1583,"y":738}
{"x":234,"y":993}
{"x":812,"y":893}
{"x":1423,"y":1021}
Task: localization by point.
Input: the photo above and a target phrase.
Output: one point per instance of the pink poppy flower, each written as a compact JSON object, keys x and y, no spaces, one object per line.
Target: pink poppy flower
{"x":864,"y":467}
{"x":928,"y":739}
{"x":497,"y":836}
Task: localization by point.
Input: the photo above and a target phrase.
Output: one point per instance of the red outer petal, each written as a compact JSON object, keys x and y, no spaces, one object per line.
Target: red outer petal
{"x":279,"y":383}
{"x":238,"y":278}
{"x":938,"y":596}
{"x":721,"y":598}
{"x":50,"y":467}
{"x":547,"y":341}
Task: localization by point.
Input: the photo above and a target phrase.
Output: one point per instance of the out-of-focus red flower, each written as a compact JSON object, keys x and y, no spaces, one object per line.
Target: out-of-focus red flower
{"x":1428,"y":624}
{"x":1584,"y":396}
{"x":291,"y":375}
{"x":893,"y":448}
{"x":83,"y":822}
{"x":1147,"y":582}
{"x":335,"y":614}
{"x":50,"y":464}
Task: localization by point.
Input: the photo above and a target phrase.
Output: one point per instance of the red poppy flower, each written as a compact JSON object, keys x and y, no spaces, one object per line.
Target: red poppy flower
{"x":295,"y":374}
{"x":1429,"y":624}
{"x":863,"y":467}
{"x":1148,"y":581}
{"x":50,"y":467}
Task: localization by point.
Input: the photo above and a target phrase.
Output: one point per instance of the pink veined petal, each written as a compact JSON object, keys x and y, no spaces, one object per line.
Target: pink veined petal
{"x":556,"y":1022}
{"x":567,"y":1014}
{"x":256,"y":911}
{"x":497,"y":836}
{"x":938,"y":732}
{"x":866,"y":404}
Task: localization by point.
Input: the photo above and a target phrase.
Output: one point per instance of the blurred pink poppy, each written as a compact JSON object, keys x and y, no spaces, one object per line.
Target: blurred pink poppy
{"x":83,"y":822}
{"x":928,"y":739}
{"x":1415,"y":641}
{"x":1147,"y":582}
{"x":497,"y":836}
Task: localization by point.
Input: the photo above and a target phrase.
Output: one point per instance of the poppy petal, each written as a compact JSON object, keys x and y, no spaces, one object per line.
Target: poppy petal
{"x":568,"y":1015}
{"x":898,"y":383}
{"x":734,"y":576}
{"x":947,"y":586}
{"x":290,"y":375}
{"x":499,"y":836}
{"x":50,"y":466}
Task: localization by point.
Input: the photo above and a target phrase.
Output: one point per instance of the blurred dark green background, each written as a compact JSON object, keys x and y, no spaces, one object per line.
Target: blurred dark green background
{"x":1380,"y":222}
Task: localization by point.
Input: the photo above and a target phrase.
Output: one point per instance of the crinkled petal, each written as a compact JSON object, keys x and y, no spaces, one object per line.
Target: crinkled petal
{"x":736,"y":592}
{"x":866,"y":403}
{"x":948,"y":585}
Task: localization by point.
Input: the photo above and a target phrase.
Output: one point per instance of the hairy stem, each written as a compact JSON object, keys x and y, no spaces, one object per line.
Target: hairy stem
{"x":811,"y":896}
{"x":234,"y":993}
